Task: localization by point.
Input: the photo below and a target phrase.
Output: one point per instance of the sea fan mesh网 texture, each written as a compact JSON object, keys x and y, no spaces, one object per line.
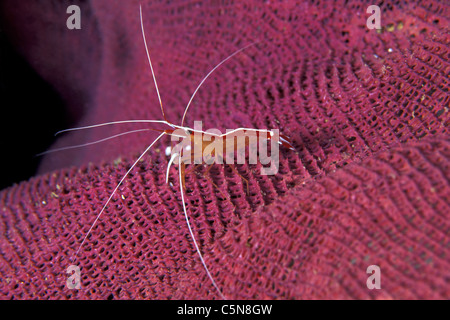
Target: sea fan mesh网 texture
{"x":368,"y":184}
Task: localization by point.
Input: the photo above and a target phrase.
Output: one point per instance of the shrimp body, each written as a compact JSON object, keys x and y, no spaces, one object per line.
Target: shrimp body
{"x":203,"y":148}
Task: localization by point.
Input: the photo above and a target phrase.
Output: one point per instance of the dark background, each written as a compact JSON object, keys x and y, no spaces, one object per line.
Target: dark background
{"x":31,"y":113}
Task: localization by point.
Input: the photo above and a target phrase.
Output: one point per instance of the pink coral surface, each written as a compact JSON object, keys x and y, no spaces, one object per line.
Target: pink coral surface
{"x":368,"y":184}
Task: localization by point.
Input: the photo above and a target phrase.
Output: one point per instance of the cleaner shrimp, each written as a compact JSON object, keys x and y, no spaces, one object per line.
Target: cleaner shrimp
{"x":195,"y":142}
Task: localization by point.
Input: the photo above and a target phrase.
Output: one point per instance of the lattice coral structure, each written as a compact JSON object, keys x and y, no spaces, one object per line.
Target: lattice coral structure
{"x":368,"y":184}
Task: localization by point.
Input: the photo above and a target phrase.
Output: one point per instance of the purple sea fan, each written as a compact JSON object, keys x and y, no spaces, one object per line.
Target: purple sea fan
{"x":368,"y":184}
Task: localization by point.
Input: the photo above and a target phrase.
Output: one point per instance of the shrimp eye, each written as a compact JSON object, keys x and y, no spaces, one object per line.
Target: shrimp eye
{"x":189,"y":132}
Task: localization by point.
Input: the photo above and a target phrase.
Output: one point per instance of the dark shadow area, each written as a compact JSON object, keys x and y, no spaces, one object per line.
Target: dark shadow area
{"x":31,"y":112}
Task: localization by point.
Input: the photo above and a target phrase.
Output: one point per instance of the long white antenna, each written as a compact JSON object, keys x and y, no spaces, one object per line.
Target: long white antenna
{"x":150,"y":62}
{"x":192,"y":233}
{"x":112,"y":123}
{"x":204,"y":79}
{"x":90,"y":143}
{"x":112,"y":194}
